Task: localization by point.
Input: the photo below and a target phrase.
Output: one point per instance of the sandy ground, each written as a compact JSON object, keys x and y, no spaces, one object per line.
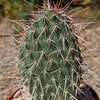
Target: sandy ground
{"x":8,"y":79}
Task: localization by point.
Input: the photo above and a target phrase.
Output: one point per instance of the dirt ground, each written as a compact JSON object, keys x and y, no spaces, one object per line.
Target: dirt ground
{"x":8,"y":79}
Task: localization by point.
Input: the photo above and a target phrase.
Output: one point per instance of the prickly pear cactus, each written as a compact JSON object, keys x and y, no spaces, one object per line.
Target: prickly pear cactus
{"x":50,"y":59}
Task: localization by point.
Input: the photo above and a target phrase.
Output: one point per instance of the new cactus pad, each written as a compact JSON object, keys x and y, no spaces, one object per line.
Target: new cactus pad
{"x":50,"y":59}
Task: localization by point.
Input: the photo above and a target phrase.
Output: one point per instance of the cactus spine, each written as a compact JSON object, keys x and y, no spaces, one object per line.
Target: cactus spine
{"x":50,"y":59}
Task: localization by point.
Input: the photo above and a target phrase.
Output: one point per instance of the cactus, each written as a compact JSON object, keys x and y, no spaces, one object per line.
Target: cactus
{"x":50,"y":60}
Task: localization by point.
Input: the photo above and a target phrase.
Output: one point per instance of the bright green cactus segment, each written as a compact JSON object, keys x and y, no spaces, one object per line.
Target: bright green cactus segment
{"x":50,"y":59}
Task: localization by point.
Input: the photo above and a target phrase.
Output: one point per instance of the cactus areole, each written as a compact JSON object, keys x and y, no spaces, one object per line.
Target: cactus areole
{"x":50,"y":59}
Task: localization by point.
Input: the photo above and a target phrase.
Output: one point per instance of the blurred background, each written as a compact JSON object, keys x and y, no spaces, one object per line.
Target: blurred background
{"x":13,"y":10}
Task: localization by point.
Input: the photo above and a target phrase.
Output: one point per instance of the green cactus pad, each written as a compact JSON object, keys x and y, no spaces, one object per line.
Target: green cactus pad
{"x":50,"y":58}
